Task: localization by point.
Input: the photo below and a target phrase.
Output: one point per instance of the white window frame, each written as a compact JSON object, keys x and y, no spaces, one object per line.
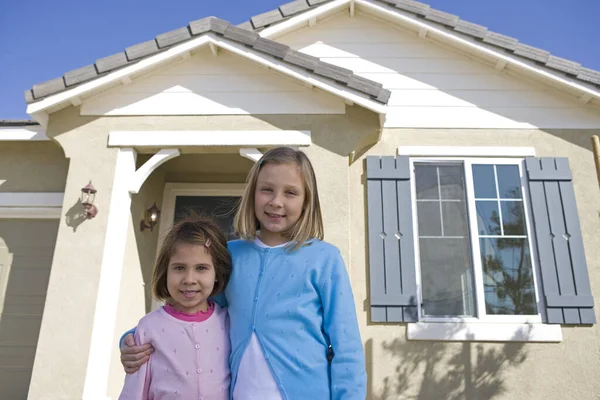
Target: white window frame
{"x":481,"y":327}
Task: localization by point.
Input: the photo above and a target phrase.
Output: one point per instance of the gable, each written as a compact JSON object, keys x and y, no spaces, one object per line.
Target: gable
{"x":205,"y":84}
{"x":436,"y":86}
{"x":78,"y":85}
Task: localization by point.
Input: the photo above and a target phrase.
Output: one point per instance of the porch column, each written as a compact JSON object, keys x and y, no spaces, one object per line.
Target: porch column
{"x":96,"y":379}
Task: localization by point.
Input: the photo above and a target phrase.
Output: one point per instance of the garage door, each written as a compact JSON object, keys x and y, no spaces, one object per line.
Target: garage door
{"x":26,"y":248}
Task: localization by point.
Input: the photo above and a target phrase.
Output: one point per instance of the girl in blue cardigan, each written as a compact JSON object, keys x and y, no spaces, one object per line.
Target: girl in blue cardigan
{"x":294,"y":332}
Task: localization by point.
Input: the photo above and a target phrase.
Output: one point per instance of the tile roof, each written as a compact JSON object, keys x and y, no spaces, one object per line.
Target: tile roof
{"x":364,"y":87}
{"x":451,"y":22}
{"x":245,"y":33}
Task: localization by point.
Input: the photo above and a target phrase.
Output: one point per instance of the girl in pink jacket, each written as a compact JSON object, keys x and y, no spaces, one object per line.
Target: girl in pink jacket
{"x":190,"y":334}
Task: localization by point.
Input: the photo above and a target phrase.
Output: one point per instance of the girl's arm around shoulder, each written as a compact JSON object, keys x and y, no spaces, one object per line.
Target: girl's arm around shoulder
{"x":137,"y":385}
{"x":348,"y":375}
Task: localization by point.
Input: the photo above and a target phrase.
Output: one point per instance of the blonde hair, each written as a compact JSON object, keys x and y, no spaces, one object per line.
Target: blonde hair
{"x":197,"y":231}
{"x":309,"y":225}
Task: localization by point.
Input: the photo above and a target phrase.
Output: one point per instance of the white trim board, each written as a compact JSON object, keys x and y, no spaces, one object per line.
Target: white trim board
{"x":484,"y":332}
{"x":465,"y":151}
{"x":208,"y":138}
{"x":31,"y":205}
{"x":30,"y":212}
{"x":23,"y":133}
{"x":31,"y":199}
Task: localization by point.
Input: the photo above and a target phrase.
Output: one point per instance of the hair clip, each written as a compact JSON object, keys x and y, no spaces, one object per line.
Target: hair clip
{"x":207,"y":243}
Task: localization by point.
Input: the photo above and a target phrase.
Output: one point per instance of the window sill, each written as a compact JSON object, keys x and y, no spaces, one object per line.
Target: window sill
{"x":484,"y":332}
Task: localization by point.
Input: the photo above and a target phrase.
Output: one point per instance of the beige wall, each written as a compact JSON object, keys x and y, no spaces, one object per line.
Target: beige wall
{"x":434,"y":370}
{"x":396,"y":368}
{"x":32,"y":167}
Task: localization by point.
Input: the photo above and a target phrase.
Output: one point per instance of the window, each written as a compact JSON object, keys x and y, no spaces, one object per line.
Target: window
{"x":473,"y":240}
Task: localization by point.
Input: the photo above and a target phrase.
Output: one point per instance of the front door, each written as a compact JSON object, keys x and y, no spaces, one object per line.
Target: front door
{"x":220,"y":208}
{"x":215,"y":200}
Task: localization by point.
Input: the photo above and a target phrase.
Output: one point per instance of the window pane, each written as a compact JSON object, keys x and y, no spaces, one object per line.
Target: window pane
{"x":452,"y":182}
{"x":447,"y":285}
{"x":455,"y":218}
{"x":513,"y":218}
{"x":508,"y":279}
{"x":488,"y":217}
{"x":426,"y":181}
{"x":484,"y":182}
{"x":446,"y":262}
{"x":509,"y":182}
{"x":430,"y":221}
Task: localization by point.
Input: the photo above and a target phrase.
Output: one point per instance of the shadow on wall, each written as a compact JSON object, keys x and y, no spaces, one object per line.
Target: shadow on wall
{"x":450,"y":371}
{"x":74,"y":216}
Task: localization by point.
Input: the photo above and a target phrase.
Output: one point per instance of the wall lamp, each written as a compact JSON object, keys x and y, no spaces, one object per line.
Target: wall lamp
{"x":151,"y":217}
{"x":88,"y":195}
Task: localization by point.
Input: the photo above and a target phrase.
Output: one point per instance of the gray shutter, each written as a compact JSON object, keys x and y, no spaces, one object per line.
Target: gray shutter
{"x":393,"y":285}
{"x":566,"y":285}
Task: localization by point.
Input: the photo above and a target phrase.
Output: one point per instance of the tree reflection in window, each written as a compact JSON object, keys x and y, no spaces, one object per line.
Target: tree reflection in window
{"x":509,"y":287}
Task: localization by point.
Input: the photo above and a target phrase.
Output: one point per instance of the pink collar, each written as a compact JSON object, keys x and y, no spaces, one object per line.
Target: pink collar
{"x":199,"y":316}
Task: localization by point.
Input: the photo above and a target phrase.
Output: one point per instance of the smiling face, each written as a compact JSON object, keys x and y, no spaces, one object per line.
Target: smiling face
{"x":190,"y":278}
{"x":278,"y":201}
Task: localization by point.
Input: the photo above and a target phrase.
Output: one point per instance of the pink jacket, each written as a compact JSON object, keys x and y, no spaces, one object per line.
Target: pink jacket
{"x":190,"y":361}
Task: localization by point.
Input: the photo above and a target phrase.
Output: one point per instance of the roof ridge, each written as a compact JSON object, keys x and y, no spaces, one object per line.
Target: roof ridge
{"x":194,"y":29}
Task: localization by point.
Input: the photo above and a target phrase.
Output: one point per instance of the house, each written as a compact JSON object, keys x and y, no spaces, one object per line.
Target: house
{"x":456,"y":174}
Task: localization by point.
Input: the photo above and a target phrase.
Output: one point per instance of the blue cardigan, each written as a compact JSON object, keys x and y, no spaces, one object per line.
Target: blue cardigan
{"x":297,"y":303}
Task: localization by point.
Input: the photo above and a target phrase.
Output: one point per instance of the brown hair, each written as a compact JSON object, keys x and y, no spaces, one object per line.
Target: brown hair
{"x":193,"y":230}
{"x":310,"y":224}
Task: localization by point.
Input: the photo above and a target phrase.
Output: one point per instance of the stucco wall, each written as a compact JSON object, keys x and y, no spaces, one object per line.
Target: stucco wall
{"x":397,"y":368}
{"x":61,"y":360}
{"x":433,"y":370}
{"x":32,"y":167}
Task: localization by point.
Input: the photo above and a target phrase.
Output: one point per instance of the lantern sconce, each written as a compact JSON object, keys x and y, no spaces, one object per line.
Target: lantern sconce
{"x":151,"y":217}
{"x":88,"y":195}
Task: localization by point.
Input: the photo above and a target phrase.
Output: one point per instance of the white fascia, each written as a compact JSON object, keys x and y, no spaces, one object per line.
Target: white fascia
{"x":299,"y":74}
{"x":461,"y":42}
{"x":303,"y":19}
{"x":113,"y":77}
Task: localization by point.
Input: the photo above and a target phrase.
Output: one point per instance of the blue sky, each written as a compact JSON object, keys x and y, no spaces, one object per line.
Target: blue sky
{"x":42,"y":39}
